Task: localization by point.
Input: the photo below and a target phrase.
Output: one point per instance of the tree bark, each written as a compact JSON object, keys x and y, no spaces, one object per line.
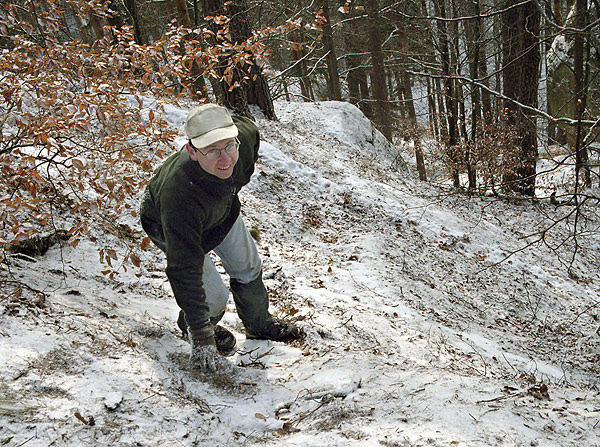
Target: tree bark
{"x":406,"y":82}
{"x":381,"y":116}
{"x":333,"y":77}
{"x":397,"y":94}
{"x":253,"y":87}
{"x":83,"y":29}
{"x":450,"y":90}
{"x":97,"y":26}
{"x":182,"y":13}
{"x":553,"y":15}
{"x":233,"y":97}
{"x":581,"y":154}
{"x":486,"y":100}
{"x":520,"y":72}
{"x":432,"y":109}
{"x":473,"y":38}
{"x":131,"y":7}
{"x":299,"y":55}
{"x":354,"y":45}
{"x":198,"y":89}
{"x":442,"y":114}
{"x":437,"y":127}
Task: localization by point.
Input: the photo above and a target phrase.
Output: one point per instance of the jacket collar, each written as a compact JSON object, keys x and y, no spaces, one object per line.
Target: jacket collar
{"x":208,"y":182}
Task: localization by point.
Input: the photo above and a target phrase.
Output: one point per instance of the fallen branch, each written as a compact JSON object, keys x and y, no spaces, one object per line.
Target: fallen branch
{"x":322,"y":396}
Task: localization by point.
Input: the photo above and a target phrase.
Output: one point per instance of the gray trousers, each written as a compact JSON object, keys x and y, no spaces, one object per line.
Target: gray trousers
{"x":240,"y":260}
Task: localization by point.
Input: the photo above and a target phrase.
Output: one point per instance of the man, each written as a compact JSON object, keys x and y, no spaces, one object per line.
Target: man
{"x":191,"y":207}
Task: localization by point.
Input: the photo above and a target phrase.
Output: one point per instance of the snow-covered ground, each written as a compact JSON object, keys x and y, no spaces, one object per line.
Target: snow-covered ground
{"x":416,"y":336}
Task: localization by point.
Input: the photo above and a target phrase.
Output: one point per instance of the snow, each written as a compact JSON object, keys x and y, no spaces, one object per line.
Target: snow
{"x":415,"y":336}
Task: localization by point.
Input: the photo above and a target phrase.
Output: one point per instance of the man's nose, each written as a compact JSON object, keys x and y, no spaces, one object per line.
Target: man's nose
{"x":224,"y":156}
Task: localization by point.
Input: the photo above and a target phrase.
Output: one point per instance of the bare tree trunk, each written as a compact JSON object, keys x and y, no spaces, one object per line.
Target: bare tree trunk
{"x":552,"y":16}
{"x":497,"y":51}
{"x":131,"y":7}
{"x":420,"y":159}
{"x":354,"y":46}
{"x":333,"y":77}
{"x":196,"y":72}
{"x":581,"y":152}
{"x":431,"y":107}
{"x":557,"y":11}
{"x":382,"y":116}
{"x":182,"y":13}
{"x":458,"y":101}
{"x":406,"y":82}
{"x":473,"y":38}
{"x":520,"y":72}
{"x":397,"y":94}
{"x":358,"y":87}
{"x":83,"y":29}
{"x":97,"y":25}
{"x":253,"y":87}
{"x":298,"y":53}
{"x":170,"y":10}
{"x":352,"y":79}
{"x":442,"y":116}
{"x":232,"y":93}
{"x":432,"y":83}
{"x":451,"y":109}
{"x":486,"y":100}
{"x":405,"y":92}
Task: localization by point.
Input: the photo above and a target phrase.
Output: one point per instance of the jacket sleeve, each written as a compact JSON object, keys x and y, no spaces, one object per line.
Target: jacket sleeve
{"x":185,"y":259}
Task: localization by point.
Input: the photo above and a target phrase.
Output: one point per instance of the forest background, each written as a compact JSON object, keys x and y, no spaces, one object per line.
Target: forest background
{"x":482,"y":88}
{"x":453,"y":305}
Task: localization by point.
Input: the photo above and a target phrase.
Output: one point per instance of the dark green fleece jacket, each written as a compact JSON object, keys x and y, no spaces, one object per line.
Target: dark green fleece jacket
{"x":187,"y":212}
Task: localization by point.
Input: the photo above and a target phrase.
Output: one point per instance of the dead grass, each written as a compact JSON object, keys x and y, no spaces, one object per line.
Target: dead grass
{"x":13,"y":403}
{"x":336,"y":414}
{"x":61,"y":359}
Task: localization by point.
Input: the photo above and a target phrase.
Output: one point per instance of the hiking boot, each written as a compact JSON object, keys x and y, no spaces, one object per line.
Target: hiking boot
{"x":276,"y":330}
{"x":224,"y":340}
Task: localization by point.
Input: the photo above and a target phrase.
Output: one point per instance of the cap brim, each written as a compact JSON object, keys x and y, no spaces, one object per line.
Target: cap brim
{"x":215,"y":135}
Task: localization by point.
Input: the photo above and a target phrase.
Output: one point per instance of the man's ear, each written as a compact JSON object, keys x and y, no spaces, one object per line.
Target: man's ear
{"x":193,"y":153}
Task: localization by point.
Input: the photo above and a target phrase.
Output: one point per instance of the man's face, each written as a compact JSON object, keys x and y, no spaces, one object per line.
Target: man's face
{"x":226,"y":153}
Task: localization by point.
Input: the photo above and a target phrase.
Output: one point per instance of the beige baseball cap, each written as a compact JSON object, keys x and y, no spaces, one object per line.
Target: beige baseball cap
{"x":208,"y":123}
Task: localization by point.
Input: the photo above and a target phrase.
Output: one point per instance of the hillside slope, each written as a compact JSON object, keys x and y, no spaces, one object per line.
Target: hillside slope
{"x":415,"y":335}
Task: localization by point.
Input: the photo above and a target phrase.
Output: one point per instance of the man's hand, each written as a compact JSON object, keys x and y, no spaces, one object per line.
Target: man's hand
{"x":204,"y":352}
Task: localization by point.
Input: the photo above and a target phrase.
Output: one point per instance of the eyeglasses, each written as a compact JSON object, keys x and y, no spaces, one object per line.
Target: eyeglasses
{"x":214,"y":154}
